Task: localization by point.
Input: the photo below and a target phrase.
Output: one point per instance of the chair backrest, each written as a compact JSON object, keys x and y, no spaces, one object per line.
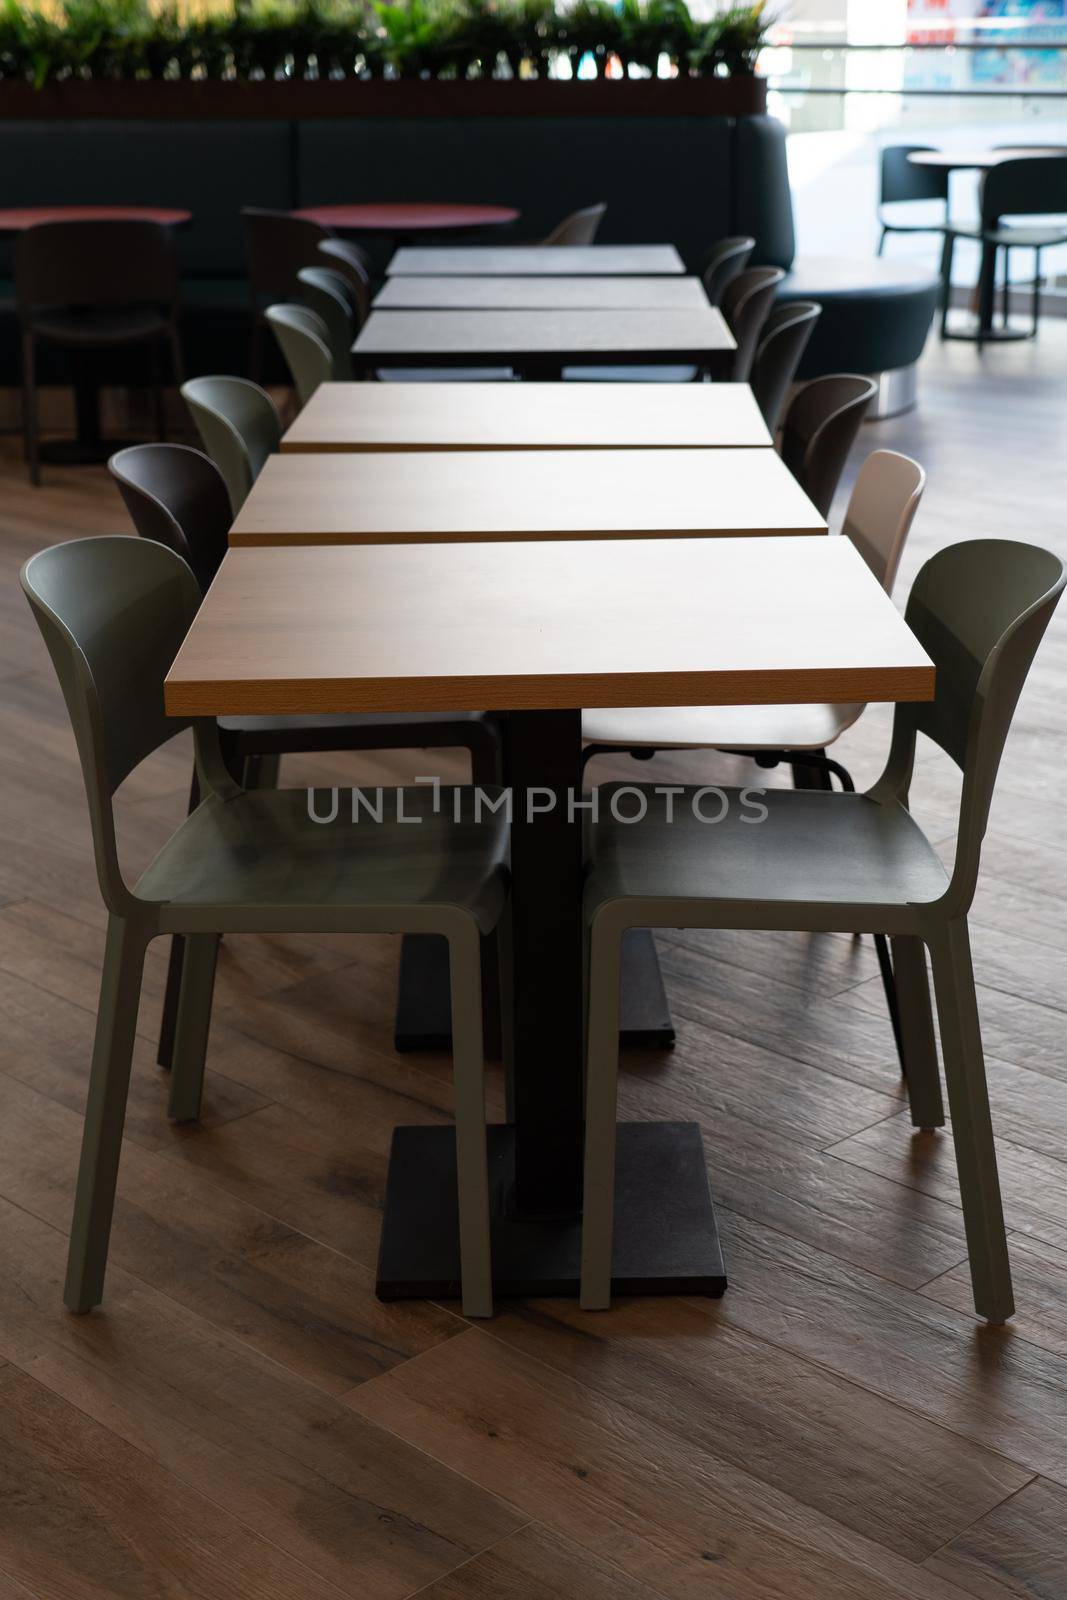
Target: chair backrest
{"x":979,"y":609}
{"x":901,"y":179}
{"x":239,"y":427}
{"x":176,"y":496}
{"x":782,"y":344}
{"x":113,"y":613}
{"x":305,"y":344}
{"x":277,"y":245}
{"x":746,"y":302}
{"x":820,"y":429}
{"x":1031,"y":186}
{"x":881,"y":510}
{"x":95,"y":264}
{"x":349,"y":260}
{"x":326,"y":293}
{"x":580,"y":227}
{"x":723,"y":262}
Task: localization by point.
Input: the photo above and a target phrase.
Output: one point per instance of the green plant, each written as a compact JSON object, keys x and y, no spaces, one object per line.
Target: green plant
{"x":44,"y":41}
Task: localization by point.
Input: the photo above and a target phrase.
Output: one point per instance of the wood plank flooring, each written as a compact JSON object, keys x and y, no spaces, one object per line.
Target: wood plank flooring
{"x":243,"y":1419}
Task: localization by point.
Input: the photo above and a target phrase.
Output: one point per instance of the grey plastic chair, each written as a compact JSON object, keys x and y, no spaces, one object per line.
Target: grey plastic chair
{"x":746,"y":303}
{"x":847,"y":863}
{"x":113,"y":613}
{"x":239,"y":427}
{"x":176,"y":496}
{"x":722,"y":264}
{"x":778,"y":355}
{"x":820,"y":428}
{"x":304,"y":341}
{"x":581,"y":227}
{"x":326,"y":293}
{"x":352,"y":264}
{"x":902,"y":185}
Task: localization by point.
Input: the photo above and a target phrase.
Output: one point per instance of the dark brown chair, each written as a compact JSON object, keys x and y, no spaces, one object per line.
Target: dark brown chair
{"x":746,"y":302}
{"x":820,"y":429}
{"x":178,"y":497}
{"x":784,"y":339}
{"x":277,"y":245}
{"x":724,"y":261}
{"x":92,"y":286}
{"x":351,"y":262}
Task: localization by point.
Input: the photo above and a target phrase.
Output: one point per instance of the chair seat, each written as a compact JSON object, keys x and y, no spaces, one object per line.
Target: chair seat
{"x":719,"y":727}
{"x":813,"y":849}
{"x":1031,"y":238}
{"x":634,"y":374}
{"x":117,"y":326}
{"x":260,"y":851}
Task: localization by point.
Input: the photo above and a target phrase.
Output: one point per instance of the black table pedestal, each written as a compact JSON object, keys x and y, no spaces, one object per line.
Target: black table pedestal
{"x":424,"y":1006}
{"x":666,"y":1240}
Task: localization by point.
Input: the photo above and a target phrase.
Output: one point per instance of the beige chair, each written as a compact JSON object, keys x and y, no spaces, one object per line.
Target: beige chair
{"x":305,"y":343}
{"x":581,"y":227}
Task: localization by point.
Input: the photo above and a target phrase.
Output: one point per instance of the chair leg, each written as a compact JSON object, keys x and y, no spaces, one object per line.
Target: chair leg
{"x":601,"y":1095}
{"x":947,"y":251}
{"x":472,"y":1168}
{"x":177,"y":360}
{"x":29,"y":408}
{"x":881,"y":240}
{"x":261,"y":772}
{"x":972,"y":1129}
{"x":917,"y":1030}
{"x":105,"y":1113}
{"x":505,"y":990}
{"x":1036,"y":303}
{"x":889,"y":984}
{"x":194,"y":1022}
{"x":813,"y":773}
{"x":165,"y":1047}
{"x":159,"y":401}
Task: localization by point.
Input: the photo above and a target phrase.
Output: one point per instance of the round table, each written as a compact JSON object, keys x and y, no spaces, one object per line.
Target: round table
{"x":408,"y":217}
{"x":965,"y":160}
{"x":16,"y":219}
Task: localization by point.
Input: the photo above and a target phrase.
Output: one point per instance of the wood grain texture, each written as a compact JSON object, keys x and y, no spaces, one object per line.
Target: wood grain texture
{"x":494,"y":260}
{"x":381,"y":627}
{"x":1018,"y":1549}
{"x":409,"y":293}
{"x":527,"y":416}
{"x":422,"y":338}
{"x":450,"y":497}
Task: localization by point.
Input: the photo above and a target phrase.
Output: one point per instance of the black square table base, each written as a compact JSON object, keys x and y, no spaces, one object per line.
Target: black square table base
{"x":666,"y":1241}
{"x":424,"y":1009}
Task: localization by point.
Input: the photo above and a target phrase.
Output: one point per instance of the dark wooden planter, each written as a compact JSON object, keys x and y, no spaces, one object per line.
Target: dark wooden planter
{"x":304,"y":99}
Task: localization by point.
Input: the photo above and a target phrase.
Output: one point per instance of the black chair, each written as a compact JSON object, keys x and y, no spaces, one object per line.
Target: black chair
{"x":903,"y":184}
{"x":1029,"y":187}
{"x":90,"y":286}
{"x":746,"y":304}
{"x":277,"y":245}
{"x":785,"y":337}
{"x":178,"y":497}
{"x":820,"y":429}
{"x":722,"y":263}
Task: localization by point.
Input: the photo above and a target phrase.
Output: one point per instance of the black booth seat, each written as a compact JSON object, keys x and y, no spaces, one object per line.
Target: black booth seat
{"x":876,"y":313}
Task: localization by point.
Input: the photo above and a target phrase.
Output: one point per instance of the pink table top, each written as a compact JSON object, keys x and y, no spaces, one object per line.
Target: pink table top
{"x":18,"y":218}
{"x":413,"y":216}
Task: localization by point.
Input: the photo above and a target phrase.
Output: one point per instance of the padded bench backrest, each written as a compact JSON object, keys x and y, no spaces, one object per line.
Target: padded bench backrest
{"x":763,"y":205}
{"x":209,"y":168}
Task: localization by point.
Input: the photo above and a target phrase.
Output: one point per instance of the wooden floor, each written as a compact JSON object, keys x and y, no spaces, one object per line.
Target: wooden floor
{"x":243,"y":1419}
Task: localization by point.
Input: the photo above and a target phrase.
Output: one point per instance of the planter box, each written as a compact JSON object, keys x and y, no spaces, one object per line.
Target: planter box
{"x":308,"y":99}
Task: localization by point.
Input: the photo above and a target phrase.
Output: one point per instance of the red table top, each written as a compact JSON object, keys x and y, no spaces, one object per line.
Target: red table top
{"x":21,"y":217}
{"x":408,"y":217}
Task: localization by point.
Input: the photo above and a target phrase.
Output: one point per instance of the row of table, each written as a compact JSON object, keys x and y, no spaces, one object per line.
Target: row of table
{"x":456,"y":547}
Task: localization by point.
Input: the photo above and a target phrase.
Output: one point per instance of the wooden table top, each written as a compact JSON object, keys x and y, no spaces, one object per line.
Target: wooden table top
{"x":425,"y":338}
{"x":619,"y":293}
{"x":534,"y":626}
{"x":598,"y":260}
{"x":408,"y":216}
{"x":527,"y":416}
{"x":505,"y":495}
{"x":15,"y":219}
